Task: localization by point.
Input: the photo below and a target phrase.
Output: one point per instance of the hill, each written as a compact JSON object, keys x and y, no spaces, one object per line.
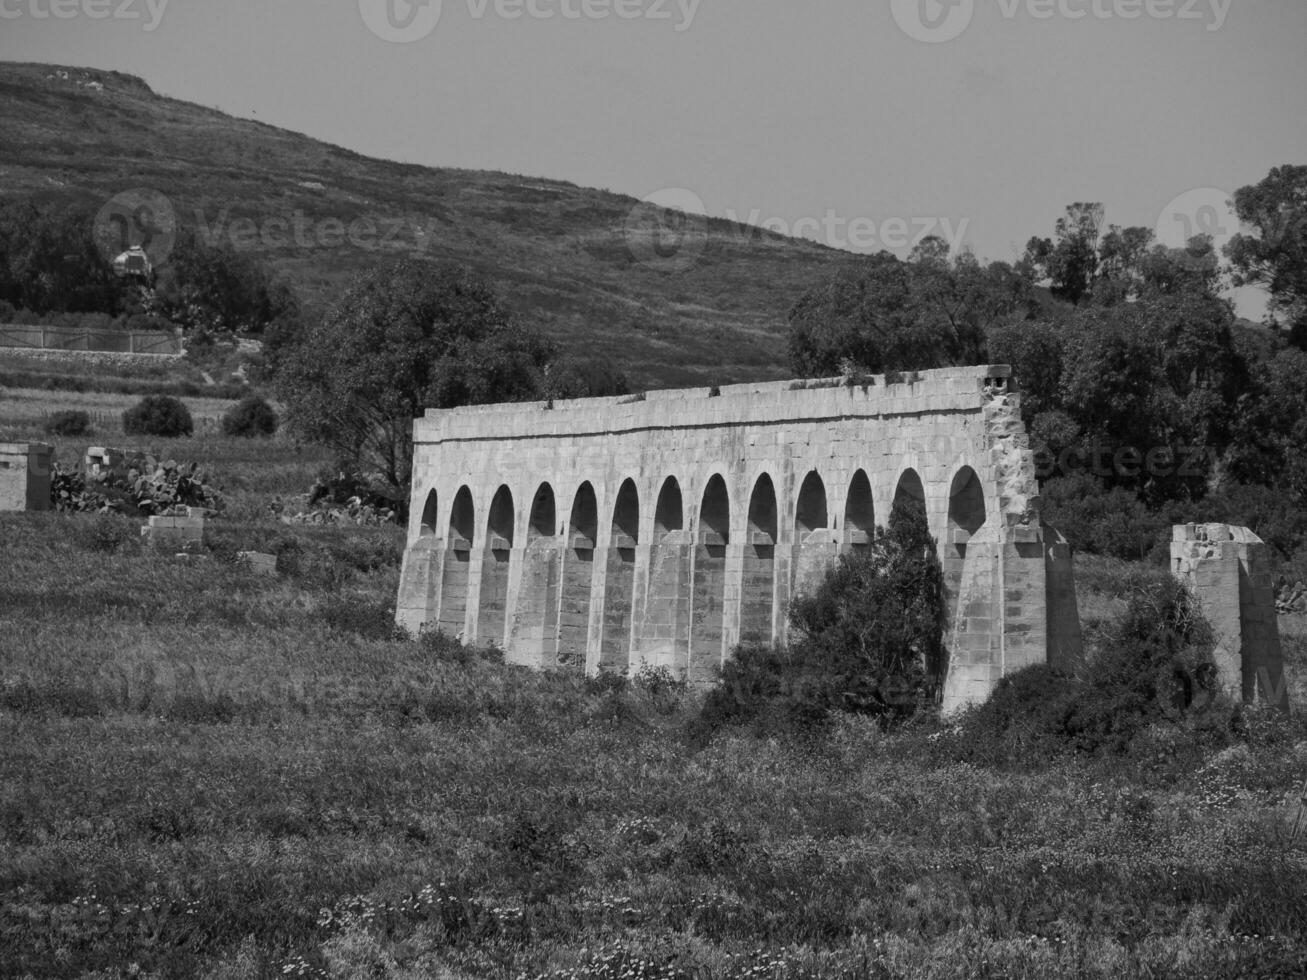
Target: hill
{"x":560,"y":254}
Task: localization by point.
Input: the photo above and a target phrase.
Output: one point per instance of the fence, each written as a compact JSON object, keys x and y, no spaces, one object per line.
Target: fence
{"x":80,"y":339}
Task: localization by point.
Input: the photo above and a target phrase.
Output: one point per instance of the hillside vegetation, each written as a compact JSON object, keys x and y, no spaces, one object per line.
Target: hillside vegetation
{"x":559,"y":254}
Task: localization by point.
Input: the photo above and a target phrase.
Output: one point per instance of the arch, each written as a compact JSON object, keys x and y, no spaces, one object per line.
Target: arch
{"x":544,"y":517}
{"x":619,"y":590}
{"x":810,"y":514}
{"x":715,"y":512}
{"x":462,"y":519}
{"x":457,"y":574}
{"x":626,"y":516}
{"x":584,"y":522}
{"x":966,"y":506}
{"x":758,"y":589}
{"x":859,"y":512}
{"x":430,"y":514}
{"x":578,"y":579}
{"x":492,"y":617}
{"x":669,"y":515}
{"x":708,"y":595}
{"x":501,"y":524}
{"x":909,"y":497}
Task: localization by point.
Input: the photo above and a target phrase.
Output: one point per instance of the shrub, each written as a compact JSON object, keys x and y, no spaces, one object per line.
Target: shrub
{"x":1103,"y":522}
{"x":69,"y":423}
{"x":158,"y":415}
{"x":250,"y":418}
{"x":1155,"y":667}
{"x":868,"y":641}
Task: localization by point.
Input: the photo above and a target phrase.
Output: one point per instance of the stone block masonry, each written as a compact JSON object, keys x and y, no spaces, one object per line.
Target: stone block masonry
{"x":664,"y":529}
{"x":25,"y":476}
{"x":1228,"y":569}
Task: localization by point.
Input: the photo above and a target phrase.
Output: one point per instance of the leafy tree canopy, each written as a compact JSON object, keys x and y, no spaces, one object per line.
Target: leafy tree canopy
{"x":404,"y":338}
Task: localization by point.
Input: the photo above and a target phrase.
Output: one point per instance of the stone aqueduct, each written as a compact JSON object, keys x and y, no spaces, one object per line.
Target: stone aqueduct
{"x":603,"y":534}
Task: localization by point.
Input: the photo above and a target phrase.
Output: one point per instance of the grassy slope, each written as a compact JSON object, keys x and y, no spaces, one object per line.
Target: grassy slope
{"x":557,"y":251}
{"x":194,"y":762}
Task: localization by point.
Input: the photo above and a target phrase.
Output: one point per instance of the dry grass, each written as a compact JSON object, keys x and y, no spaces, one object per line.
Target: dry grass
{"x":207,"y":773}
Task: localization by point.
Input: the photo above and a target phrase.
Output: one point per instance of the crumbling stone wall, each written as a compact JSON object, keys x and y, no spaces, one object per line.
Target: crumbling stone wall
{"x":25,"y":475}
{"x":1228,"y":569}
{"x":665,"y":529}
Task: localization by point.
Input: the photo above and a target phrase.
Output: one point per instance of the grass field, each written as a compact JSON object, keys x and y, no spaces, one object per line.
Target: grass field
{"x":206,"y":773}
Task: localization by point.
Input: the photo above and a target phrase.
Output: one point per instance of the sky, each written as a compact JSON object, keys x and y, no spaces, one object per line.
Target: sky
{"x":861,"y":123}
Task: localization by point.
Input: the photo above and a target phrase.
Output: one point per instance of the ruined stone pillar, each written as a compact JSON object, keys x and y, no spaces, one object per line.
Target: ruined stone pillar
{"x":1228,"y":570}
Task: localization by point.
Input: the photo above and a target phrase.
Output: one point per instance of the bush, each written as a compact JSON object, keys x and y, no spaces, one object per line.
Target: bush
{"x":69,"y":423}
{"x":252,"y":417}
{"x":1155,"y":668}
{"x":868,"y":641}
{"x":158,"y":415}
{"x":1099,"y":521}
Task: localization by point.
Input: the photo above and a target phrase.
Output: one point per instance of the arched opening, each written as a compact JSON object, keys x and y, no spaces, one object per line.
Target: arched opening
{"x":758,"y":590}
{"x":619,"y":592}
{"x":811,"y":513}
{"x":966,"y":516}
{"x":715,"y":514}
{"x":492,"y":615}
{"x":458,"y":565}
{"x":859,"y":512}
{"x":663,"y":633}
{"x":669,"y":515}
{"x":543,"y":514}
{"x":430,"y":514}
{"x":909,"y":499}
{"x":708,"y":603}
{"x":966,"y":507}
{"x":578,"y":580}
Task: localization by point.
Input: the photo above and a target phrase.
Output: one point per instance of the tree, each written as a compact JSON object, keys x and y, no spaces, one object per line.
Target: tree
{"x":218,"y":289}
{"x":49,"y":260}
{"x":886,"y":315}
{"x":870,"y":639}
{"x":1276,"y":257}
{"x":1069,"y":264}
{"x":404,"y":338}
